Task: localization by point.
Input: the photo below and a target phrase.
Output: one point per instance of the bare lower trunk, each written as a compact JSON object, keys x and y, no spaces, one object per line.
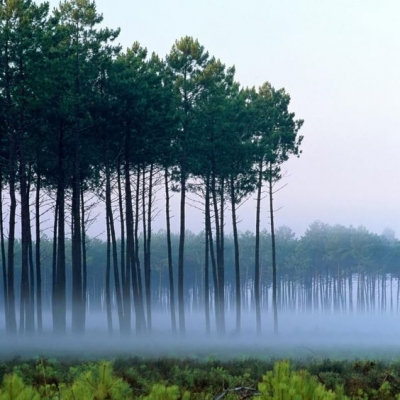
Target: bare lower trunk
{"x":147,"y":241}
{"x":26,"y":313}
{"x":169,"y":251}
{"x":237,"y":262}
{"x":3,"y":256}
{"x":59,"y":298}
{"x":113,"y":239}
{"x":37,"y":258}
{"x":207,"y":257}
{"x":78,"y":322}
{"x":84,"y":258}
{"x":257,"y":254}
{"x":181,"y":305}
{"x":136,"y":266}
{"x":124,"y":280}
{"x":274,"y":288}
{"x":11,"y":327}
{"x":107,"y":289}
{"x":129,"y":247}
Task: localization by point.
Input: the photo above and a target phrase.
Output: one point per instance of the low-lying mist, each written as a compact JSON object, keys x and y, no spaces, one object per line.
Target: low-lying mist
{"x":301,"y":335}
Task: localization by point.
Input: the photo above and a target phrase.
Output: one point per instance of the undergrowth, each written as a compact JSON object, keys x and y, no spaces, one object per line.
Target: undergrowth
{"x":190,"y":379}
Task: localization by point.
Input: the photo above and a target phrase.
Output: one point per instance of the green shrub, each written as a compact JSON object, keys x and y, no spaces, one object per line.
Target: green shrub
{"x":99,"y":383}
{"x":161,"y":392}
{"x":15,"y":389}
{"x":283,"y":384}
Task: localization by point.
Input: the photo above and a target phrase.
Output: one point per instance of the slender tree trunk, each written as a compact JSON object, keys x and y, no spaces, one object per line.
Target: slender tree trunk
{"x":217,"y":285}
{"x":350,"y":285}
{"x":84,"y":257}
{"x":147,"y":240}
{"x":124,"y":280}
{"x":136,"y":267}
{"x":26,"y":317}
{"x":107,"y":289}
{"x":129,"y":246}
{"x":3,"y":254}
{"x":12,"y":324}
{"x":39,"y":312}
{"x":221,"y":260}
{"x":54,"y":267}
{"x":60,"y":285}
{"x":181,"y":304}
{"x":31,"y":305}
{"x":257,"y":253}
{"x":213,"y":267}
{"x":207,"y":256}
{"x":237,"y":262}
{"x":169,"y":251}
{"x":110,"y":222}
{"x":78,"y":323}
{"x":59,"y":297}
{"x":271,"y":213}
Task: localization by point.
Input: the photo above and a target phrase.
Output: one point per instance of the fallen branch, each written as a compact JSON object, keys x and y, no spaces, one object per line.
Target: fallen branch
{"x":245,"y":392}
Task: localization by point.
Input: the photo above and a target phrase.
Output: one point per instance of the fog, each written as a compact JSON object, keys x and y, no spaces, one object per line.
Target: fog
{"x":301,"y":336}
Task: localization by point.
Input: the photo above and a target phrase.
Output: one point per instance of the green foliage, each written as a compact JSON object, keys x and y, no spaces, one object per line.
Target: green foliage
{"x":14,"y":388}
{"x":98,"y":382}
{"x":284,"y":384}
{"x":169,"y":379}
{"x":161,"y":392}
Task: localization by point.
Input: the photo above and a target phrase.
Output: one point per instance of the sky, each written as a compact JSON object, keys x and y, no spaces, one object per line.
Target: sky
{"x":340,"y":62}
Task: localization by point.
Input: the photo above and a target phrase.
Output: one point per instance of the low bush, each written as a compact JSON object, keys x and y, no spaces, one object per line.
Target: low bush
{"x":179,"y":379}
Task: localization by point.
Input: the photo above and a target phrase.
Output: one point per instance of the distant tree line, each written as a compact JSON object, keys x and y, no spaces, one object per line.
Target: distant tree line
{"x":330,"y":269}
{"x":83,"y":121}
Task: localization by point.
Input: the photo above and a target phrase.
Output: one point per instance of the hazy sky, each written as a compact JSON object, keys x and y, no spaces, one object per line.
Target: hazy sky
{"x":340,"y":62}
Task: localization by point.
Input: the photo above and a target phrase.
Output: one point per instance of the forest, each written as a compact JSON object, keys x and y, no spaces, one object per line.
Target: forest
{"x":86,"y":125}
{"x":83,"y":120}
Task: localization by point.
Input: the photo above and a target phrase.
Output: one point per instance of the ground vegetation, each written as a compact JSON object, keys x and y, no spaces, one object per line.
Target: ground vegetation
{"x":174,"y":379}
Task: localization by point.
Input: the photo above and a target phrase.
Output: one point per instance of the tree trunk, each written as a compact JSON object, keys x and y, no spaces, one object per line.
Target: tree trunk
{"x":221,"y":257}
{"x":60,"y":323}
{"x":110,"y":223}
{"x":237,"y":262}
{"x":136,"y":266}
{"x":257,"y":253}
{"x":3,"y":255}
{"x":169,"y":251}
{"x":147,"y":241}
{"x":59,"y":294}
{"x":39,"y":312}
{"x":78,"y":322}
{"x":274,"y":288}
{"x":181,"y":304}
{"x":124,"y":280}
{"x":26,"y":315}
{"x":207,"y":256}
{"x":107,"y":289}
{"x":84,"y":258}
{"x":129,"y":246}
{"x":12,"y":324}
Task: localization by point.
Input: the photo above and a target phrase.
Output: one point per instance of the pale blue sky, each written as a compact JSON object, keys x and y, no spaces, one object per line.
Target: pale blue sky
{"x":340,"y":62}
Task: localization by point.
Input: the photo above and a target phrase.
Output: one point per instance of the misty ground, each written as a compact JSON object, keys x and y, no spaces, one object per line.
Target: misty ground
{"x":300,"y":336}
